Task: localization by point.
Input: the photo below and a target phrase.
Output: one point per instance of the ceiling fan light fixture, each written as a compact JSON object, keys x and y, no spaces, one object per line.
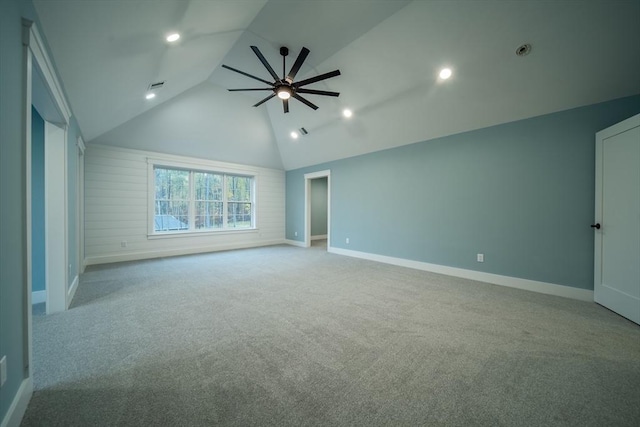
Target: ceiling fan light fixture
{"x":284,"y":92}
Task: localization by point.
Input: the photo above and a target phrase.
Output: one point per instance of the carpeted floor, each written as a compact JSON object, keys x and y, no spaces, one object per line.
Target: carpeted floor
{"x":285,"y":336}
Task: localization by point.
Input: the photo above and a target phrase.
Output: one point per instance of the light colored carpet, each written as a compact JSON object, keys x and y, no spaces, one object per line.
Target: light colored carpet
{"x":286,"y":336}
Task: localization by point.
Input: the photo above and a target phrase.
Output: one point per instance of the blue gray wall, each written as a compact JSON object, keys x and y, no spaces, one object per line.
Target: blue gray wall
{"x":12,"y":190}
{"x":319,"y":206}
{"x":37,"y":202}
{"x":522,"y":193}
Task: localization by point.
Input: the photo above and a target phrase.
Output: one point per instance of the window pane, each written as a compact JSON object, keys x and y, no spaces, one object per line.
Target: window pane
{"x":172,"y":184}
{"x":239,"y":215}
{"x":239,"y":188}
{"x":172,"y":200}
{"x":171,"y":216}
{"x":208,"y":186}
{"x":208,"y":215}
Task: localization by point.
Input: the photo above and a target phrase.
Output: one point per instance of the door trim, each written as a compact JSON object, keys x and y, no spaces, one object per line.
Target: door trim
{"x":34,"y":55}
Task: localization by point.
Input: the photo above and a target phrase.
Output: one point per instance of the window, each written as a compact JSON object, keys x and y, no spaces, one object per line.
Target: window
{"x":194,"y":201}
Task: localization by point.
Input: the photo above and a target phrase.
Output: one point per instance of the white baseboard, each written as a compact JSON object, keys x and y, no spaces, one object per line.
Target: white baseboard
{"x":319,"y":237}
{"x":496,"y":279}
{"x":38,"y":297}
{"x":295,"y":243}
{"x":18,"y":407}
{"x":72,"y":290}
{"x":135,"y":256}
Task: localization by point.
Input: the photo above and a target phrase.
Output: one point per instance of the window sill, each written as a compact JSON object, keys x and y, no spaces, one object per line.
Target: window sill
{"x":177,"y":234}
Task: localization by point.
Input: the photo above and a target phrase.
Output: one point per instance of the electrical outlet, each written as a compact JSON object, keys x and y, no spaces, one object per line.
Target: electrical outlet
{"x":480,"y":258}
{"x":295,"y":234}
{"x":123,"y":244}
{"x":347,"y":240}
{"x":3,"y":370}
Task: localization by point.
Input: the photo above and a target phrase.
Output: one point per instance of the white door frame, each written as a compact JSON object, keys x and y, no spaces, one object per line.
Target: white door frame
{"x":80,"y":205}
{"x":34,"y":55}
{"x":56,"y":217}
{"x":307,"y":205}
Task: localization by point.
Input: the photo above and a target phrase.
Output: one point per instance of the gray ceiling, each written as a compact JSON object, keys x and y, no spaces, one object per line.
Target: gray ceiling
{"x":389,"y":52}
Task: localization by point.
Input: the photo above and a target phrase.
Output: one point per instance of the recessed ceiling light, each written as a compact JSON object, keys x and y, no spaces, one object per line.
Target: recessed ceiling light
{"x":347,"y":113}
{"x":173,"y":37}
{"x":445,"y":73}
{"x":150,"y":95}
{"x":294,"y":135}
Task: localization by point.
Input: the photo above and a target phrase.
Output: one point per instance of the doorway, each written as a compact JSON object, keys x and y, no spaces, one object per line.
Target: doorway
{"x":317,"y":194}
{"x":42,"y":92}
{"x":319,"y":212}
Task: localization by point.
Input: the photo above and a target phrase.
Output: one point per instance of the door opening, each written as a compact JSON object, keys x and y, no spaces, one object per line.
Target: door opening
{"x":317,"y":222}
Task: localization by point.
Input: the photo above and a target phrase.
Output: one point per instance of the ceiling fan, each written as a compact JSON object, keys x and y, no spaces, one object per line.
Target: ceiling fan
{"x":285,"y":87}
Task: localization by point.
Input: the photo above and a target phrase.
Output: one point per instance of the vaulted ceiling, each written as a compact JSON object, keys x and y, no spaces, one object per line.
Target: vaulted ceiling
{"x":389,"y":52}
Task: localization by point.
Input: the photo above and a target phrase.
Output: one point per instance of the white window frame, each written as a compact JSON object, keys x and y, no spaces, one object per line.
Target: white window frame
{"x":192,"y":168}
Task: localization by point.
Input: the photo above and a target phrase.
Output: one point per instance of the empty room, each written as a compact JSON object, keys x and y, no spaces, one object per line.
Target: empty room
{"x":319,"y":213}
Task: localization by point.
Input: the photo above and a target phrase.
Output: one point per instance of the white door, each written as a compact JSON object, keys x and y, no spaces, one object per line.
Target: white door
{"x":617,"y":227}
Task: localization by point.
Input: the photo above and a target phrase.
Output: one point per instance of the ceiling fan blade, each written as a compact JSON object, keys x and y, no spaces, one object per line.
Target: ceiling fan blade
{"x":247,"y":74}
{"x":317,"y":78}
{"x":318,"y":92}
{"x":265,"y":63}
{"x":296,"y":65}
{"x":285,"y":105}
{"x":304,"y":101}
{"x":265,"y":100}
{"x":240,"y":90}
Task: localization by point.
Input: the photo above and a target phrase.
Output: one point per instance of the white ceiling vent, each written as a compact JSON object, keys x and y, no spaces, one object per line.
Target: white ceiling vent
{"x":156,"y":86}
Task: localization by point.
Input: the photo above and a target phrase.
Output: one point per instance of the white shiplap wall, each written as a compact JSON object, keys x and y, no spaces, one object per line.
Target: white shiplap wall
{"x":116,"y":208}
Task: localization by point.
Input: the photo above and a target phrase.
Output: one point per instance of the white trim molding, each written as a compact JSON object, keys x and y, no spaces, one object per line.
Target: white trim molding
{"x":38,"y":297}
{"x":295,"y":243}
{"x":33,"y":40}
{"x":18,"y":407}
{"x":135,"y":256}
{"x":495,"y":279}
{"x":319,"y":237}
{"x":80,"y":144}
{"x":72,"y":290}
